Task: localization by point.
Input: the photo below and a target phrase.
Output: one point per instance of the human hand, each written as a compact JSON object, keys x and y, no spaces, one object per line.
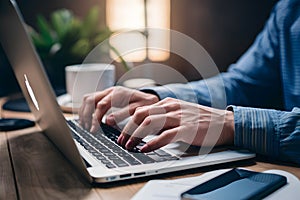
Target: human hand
{"x":96,"y":105}
{"x":176,"y":120}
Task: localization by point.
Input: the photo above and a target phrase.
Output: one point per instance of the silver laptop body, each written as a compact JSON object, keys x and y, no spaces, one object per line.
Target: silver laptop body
{"x":42,"y":101}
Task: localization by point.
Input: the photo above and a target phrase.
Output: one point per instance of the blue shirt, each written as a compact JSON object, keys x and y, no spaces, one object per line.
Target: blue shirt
{"x":263,"y":88}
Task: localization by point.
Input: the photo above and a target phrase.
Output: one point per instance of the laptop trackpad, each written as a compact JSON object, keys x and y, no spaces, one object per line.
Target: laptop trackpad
{"x":182,"y":149}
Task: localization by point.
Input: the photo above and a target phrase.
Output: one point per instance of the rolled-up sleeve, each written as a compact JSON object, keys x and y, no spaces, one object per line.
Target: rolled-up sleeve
{"x":252,"y":81}
{"x":268,"y":132}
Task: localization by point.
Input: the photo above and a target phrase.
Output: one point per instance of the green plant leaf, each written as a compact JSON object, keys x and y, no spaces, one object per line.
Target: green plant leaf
{"x":36,"y":38}
{"x":45,"y":30}
{"x":124,"y":63}
{"x":101,"y":36}
{"x":81,"y":48}
{"x":90,"y":23}
{"x":62,"y":22}
{"x":67,"y":39}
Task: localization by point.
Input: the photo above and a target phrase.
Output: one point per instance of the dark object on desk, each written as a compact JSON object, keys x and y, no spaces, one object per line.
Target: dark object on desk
{"x":9,"y":124}
{"x":19,"y":105}
{"x":237,"y":184}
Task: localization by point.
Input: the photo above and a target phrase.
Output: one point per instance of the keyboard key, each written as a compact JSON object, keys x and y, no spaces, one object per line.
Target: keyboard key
{"x":110,"y":166}
{"x":131,"y":160}
{"x":103,"y":146}
{"x":114,"y":158}
{"x":101,"y":157}
{"x":109,"y":154}
{"x":161,"y":153}
{"x":157,"y":158}
{"x":104,"y":161}
{"x":173,"y":158}
{"x":120,"y":163}
{"x":104,"y":150}
{"x":142,"y":157}
{"x":97,"y":154}
{"x":92,"y":151}
{"x":117,"y":150}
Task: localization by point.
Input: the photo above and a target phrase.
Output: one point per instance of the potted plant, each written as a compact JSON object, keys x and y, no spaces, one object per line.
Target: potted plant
{"x":65,"y":39}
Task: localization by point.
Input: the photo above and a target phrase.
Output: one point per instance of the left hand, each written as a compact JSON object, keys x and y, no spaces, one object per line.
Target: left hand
{"x":177,"y":120}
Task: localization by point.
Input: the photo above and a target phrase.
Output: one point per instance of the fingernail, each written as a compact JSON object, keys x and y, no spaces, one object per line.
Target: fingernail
{"x":120,"y":138}
{"x":93,"y":129}
{"x":129,"y":144}
{"x":110,"y":120}
{"x":145,"y":148}
{"x":123,"y":140}
{"x":86,"y":125}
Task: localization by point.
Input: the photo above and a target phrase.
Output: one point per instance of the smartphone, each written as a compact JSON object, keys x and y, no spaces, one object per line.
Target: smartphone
{"x":10,"y":124}
{"x":237,"y":184}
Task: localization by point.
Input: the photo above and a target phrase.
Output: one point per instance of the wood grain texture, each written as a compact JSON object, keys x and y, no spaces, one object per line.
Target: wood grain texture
{"x":42,"y":172}
{"x":7,"y":183}
{"x":124,"y":192}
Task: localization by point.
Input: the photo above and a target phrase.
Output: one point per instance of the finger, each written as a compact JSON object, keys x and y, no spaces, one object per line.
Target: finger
{"x":146,"y":97}
{"x":121,"y":114}
{"x":152,"y":124}
{"x":138,"y":117}
{"x":95,"y":125}
{"x":167,"y":100}
{"x":176,"y":134}
{"x":88,"y":106}
{"x":163,"y":139}
{"x":169,"y":104}
{"x":119,"y":100}
{"x":101,"y":108}
{"x":88,"y":110}
{"x":82,"y":109}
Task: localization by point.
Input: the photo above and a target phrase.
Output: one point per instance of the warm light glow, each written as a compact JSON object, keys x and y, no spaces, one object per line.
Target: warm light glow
{"x":129,"y":15}
{"x":131,"y":46}
{"x":159,"y":17}
{"x":125,"y":14}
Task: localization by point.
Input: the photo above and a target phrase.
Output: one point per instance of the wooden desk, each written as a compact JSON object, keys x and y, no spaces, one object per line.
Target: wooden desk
{"x":32,"y":168}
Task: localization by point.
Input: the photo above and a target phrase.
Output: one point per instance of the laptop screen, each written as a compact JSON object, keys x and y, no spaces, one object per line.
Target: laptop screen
{"x":34,"y":82}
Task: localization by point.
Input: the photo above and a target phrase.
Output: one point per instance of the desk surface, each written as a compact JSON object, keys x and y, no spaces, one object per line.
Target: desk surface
{"x":32,"y":168}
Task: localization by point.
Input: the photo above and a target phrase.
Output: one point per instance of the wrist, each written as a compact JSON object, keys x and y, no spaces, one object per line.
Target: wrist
{"x":149,"y":91}
{"x":229,"y":128}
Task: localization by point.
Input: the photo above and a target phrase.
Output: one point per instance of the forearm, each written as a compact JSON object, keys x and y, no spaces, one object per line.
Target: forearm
{"x":209,"y":92}
{"x":254,"y":80}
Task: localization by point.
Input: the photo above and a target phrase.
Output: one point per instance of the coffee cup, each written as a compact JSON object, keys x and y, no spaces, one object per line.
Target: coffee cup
{"x":83,"y":79}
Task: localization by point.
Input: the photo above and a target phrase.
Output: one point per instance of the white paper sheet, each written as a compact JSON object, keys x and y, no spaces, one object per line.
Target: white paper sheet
{"x":171,"y":189}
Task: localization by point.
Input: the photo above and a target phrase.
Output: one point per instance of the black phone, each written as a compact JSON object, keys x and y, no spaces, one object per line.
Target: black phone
{"x":237,"y":184}
{"x":9,"y":124}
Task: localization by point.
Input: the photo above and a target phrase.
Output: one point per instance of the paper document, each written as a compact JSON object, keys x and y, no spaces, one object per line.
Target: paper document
{"x":171,"y":189}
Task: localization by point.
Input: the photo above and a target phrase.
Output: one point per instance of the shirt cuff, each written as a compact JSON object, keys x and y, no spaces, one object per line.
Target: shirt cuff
{"x":160,"y":91}
{"x":256,"y":129}
{"x":166,"y":91}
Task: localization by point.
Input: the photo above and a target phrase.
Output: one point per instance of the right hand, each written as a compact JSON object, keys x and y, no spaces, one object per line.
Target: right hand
{"x":96,"y":105}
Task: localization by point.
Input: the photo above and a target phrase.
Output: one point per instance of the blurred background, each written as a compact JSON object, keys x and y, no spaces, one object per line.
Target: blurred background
{"x":224,"y":28}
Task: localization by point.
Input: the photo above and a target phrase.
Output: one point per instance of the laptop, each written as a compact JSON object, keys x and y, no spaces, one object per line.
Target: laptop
{"x":96,"y":156}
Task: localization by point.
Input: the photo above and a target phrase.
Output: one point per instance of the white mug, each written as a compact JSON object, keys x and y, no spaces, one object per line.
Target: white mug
{"x":82,"y":79}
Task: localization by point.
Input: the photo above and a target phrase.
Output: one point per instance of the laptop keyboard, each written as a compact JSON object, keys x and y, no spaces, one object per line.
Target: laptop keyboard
{"x":103,"y":146}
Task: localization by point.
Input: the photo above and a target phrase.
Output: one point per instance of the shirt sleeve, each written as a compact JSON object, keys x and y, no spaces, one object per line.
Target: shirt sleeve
{"x":272,"y":133}
{"x":253,"y":81}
